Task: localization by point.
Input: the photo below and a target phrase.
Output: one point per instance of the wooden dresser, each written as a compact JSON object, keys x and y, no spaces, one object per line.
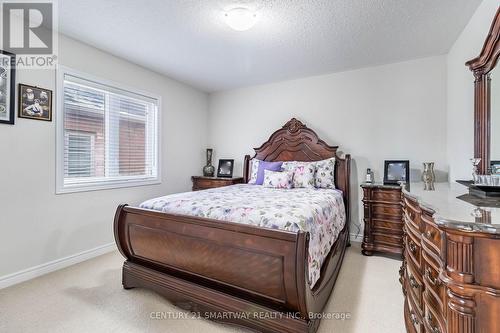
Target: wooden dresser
{"x":383,"y":219}
{"x":451,"y":270}
{"x":203,"y":183}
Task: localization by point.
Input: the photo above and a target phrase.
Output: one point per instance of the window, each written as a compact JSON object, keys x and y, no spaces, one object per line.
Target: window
{"x":80,"y":154}
{"x":107,"y":135}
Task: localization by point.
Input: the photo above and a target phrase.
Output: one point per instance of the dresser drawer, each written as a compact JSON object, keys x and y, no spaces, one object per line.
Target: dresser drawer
{"x":432,"y":321}
{"x":434,"y":288}
{"x":412,"y":213}
{"x":431,"y":235}
{"x":415,"y":285}
{"x":414,"y":317}
{"x":413,"y":249}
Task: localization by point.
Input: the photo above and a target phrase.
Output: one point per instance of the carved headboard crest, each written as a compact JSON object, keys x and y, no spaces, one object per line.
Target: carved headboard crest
{"x":294,"y":142}
{"x":294,"y":125}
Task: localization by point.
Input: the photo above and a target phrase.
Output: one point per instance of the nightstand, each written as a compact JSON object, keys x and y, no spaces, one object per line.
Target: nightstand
{"x":383,"y":219}
{"x":203,"y":183}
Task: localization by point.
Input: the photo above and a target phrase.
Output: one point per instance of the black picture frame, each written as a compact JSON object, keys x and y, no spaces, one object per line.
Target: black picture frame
{"x":400,"y":171}
{"x":44,"y":96}
{"x":225,"y":168}
{"x":11,"y":87}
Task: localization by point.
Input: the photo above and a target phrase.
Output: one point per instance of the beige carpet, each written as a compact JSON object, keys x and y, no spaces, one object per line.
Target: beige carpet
{"x":88,"y":297}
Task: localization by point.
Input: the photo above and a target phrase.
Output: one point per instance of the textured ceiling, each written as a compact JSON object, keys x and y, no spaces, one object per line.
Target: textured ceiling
{"x":189,"y":41}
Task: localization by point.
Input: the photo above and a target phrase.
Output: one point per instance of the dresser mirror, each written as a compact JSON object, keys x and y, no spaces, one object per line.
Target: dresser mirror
{"x":487,"y":101}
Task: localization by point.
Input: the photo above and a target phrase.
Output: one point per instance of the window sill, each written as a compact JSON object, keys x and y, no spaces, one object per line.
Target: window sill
{"x":65,"y":189}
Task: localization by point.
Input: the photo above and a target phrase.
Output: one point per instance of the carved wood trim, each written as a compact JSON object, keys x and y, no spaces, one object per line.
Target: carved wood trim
{"x":481,"y":67}
{"x":460,"y":258}
{"x":461,"y":314}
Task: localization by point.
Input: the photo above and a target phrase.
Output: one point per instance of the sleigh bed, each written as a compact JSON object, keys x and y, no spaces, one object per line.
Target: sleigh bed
{"x":231,"y":272}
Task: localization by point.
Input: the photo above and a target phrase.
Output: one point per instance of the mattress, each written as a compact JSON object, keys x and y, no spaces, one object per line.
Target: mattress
{"x":320,"y":212}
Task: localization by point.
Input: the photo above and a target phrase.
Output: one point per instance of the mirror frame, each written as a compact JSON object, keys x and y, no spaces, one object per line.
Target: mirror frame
{"x":481,"y":67}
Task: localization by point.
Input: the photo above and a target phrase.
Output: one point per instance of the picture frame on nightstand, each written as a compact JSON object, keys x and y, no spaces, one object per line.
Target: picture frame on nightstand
{"x":225,"y":169}
{"x":396,"y":172}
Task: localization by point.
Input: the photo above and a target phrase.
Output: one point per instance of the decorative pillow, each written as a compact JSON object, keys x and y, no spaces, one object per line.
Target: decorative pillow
{"x":254,"y":167}
{"x":263,"y":165}
{"x":291,"y":165}
{"x":278,"y":179}
{"x":325,"y":173}
{"x":303,"y":175}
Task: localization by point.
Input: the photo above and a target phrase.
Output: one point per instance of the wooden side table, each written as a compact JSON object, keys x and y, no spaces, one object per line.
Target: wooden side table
{"x":203,"y":183}
{"x":383,"y":219}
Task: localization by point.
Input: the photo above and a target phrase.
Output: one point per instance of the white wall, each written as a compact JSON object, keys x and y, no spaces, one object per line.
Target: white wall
{"x":395,"y":111}
{"x":460,"y":95}
{"x":38,"y":226}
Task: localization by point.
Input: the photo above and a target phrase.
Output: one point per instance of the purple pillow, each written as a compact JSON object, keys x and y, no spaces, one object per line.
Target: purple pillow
{"x":263,"y":165}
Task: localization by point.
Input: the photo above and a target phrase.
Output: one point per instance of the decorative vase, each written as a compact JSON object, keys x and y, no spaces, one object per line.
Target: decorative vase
{"x":428,"y":176}
{"x":208,"y":170}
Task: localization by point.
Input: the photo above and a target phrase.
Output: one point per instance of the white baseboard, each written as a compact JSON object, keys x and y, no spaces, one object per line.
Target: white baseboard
{"x":356,"y":237}
{"x":36,"y":271}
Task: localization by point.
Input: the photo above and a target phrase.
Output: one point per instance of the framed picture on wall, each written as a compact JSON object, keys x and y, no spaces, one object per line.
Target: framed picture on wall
{"x":396,"y":171}
{"x":225,"y":168}
{"x":35,"y":103}
{"x":7,"y":86}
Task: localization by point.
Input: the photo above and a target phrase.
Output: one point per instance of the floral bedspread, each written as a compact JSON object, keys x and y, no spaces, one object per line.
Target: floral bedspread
{"x":320,"y":212}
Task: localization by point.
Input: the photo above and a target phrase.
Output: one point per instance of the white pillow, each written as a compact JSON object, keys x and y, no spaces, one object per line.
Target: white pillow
{"x":291,"y":165}
{"x":303,"y":175}
{"x":325,"y":173}
{"x":278,"y":179}
{"x":254,"y":167}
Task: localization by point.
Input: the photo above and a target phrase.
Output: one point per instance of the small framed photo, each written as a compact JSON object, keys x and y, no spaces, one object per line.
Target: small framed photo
{"x":225,"y":168}
{"x":495,"y":167}
{"x":35,"y":103}
{"x":7,"y":87}
{"x":396,"y":171}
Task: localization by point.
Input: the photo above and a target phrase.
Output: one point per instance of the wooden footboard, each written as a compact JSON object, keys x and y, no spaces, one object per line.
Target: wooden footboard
{"x":214,"y":267}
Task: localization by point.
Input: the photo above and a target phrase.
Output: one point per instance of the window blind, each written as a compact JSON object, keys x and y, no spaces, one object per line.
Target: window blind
{"x":111,"y":134}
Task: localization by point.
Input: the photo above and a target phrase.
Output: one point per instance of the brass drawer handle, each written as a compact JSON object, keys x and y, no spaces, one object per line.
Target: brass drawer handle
{"x":433,"y":281}
{"x":428,"y":234}
{"x":413,"y":283}
{"x":434,"y":329}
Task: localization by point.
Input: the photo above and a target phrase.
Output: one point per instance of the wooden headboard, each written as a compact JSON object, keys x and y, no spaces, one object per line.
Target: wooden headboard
{"x":296,"y":142}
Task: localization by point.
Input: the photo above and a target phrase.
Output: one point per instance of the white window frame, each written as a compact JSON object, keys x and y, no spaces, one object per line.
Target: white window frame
{"x":119,"y":182}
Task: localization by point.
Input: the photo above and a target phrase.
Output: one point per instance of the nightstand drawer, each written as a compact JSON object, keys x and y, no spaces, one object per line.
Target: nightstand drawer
{"x":203,"y":183}
{"x":386,"y":195}
{"x":381,"y":210}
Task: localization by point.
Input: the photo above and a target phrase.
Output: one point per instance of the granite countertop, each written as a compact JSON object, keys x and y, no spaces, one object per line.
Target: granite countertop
{"x":455,"y":213}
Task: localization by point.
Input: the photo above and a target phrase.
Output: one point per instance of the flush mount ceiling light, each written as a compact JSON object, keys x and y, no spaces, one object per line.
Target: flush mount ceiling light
{"x":240,"y":18}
